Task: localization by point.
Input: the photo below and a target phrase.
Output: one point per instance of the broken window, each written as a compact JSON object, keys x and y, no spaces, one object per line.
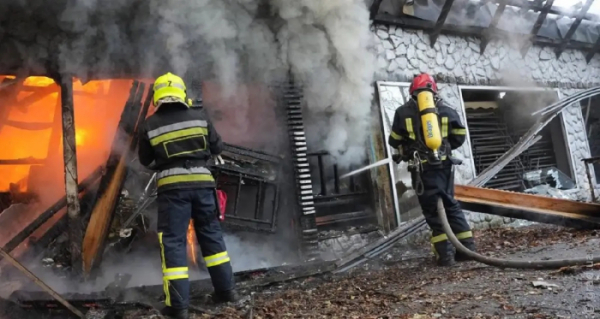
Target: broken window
{"x":496,"y":121}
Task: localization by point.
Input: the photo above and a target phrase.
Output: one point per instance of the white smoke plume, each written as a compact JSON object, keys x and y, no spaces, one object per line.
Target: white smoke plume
{"x":324,"y":44}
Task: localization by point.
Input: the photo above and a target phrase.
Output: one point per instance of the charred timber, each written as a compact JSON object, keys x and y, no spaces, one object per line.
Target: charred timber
{"x":22,"y":161}
{"x":70,"y":166}
{"x":565,"y":41}
{"x":439,"y":24}
{"x":50,"y":212}
{"x":497,"y":15}
{"x":29,"y":126}
{"x":537,"y":25}
{"x":112,"y":182}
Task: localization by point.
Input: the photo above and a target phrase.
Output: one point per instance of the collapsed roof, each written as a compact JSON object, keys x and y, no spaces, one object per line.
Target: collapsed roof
{"x":575,"y":28}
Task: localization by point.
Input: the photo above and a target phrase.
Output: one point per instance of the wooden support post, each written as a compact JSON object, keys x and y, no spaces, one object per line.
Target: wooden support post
{"x":70,"y":165}
{"x":111,"y":183}
{"x":574,"y":26}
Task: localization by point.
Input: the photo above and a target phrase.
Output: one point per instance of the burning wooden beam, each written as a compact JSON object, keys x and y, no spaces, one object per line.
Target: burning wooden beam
{"x":9,"y":88}
{"x":70,"y":165}
{"x":50,"y":212}
{"x":29,"y":126}
{"x":112,"y":181}
{"x":22,"y":161}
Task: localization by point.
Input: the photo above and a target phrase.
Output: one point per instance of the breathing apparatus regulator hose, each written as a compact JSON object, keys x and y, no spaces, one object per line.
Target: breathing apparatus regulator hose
{"x":417,"y":167}
{"x":507,"y":263}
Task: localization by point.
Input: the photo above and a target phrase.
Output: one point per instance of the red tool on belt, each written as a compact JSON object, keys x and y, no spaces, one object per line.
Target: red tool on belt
{"x":222,"y":198}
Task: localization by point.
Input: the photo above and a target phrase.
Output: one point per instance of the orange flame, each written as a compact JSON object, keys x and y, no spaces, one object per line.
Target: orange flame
{"x":191,"y":240}
{"x":98,"y":106}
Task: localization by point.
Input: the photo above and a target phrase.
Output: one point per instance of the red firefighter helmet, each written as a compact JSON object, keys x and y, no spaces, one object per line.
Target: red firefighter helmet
{"x":423,"y":81}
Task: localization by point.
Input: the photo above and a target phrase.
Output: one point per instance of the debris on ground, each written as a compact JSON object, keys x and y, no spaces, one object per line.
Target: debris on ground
{"x":406,"y":288}
{"x":543,"y":284}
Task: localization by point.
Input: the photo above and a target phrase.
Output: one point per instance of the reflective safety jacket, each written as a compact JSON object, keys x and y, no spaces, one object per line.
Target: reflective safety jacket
{"x":407,"y":132}
{"x":177,"y":141}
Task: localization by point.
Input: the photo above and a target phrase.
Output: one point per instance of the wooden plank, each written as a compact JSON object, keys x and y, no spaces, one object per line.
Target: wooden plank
{"x":29,"y":126}
{"x":497,"y":15}
{"x":463,"y":192}
{"x":41,"y":284}
{"x":439,"y":24}
{"x":111,"y":183}
{"x":574,"y":26}
{"x":8,"y":97}
{"x":537,"y":25}
{"x":529,"y":213}
{"x":51,"y":211}
{"x":70,"y":167}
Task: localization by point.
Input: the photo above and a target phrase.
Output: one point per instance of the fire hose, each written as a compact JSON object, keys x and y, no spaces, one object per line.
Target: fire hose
{"x":507,"y":263}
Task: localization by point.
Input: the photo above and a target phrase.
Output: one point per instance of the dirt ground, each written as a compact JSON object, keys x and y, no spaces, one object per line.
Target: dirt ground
{"x":404,"y":283}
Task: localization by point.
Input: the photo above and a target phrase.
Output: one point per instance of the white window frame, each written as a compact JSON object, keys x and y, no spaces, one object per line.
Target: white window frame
{"x":388,"y":149}
{"x":559,"y":95}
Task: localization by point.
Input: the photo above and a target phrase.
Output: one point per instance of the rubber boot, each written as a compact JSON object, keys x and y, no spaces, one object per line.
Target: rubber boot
{"x":175,"y":313}
{"x":225,"y":296}
{"x":469,"y":243}
{"x":444,"y":253}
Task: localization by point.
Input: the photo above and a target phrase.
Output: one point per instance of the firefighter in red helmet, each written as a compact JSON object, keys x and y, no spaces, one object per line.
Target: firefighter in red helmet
{"x":416,"y":124}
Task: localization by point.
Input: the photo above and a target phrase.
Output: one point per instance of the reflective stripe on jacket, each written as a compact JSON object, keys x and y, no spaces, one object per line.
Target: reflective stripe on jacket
{"x":177,"y":141}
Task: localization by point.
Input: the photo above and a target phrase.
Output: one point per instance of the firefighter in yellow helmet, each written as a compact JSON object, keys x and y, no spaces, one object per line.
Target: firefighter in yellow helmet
{"x":177,"y":141}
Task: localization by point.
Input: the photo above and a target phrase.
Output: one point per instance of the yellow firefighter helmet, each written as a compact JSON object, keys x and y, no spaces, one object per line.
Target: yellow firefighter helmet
{"x":169,"y":88}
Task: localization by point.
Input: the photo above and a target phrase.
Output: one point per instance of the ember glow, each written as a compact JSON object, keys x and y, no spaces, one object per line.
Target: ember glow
{"x":191,"y":244}
{"x":31,"y":127}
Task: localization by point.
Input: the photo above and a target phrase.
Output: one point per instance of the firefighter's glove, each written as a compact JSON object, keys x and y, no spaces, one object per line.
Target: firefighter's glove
{"x":397,"y":158}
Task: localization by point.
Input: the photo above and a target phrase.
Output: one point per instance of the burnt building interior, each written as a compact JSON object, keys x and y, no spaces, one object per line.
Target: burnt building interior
{"x":497,"y":119}
{"x":71,"y":181}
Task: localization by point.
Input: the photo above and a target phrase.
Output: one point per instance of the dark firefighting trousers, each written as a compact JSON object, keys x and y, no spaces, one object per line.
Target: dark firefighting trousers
{"x":439,"y":182}
{"x":175,"y":208}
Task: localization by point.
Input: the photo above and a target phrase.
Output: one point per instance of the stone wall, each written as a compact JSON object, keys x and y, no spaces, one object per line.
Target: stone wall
{"x":404,"y":53}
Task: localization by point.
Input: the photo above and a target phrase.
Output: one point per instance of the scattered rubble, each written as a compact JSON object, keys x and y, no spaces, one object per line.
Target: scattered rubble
{"x":394,"y":286}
